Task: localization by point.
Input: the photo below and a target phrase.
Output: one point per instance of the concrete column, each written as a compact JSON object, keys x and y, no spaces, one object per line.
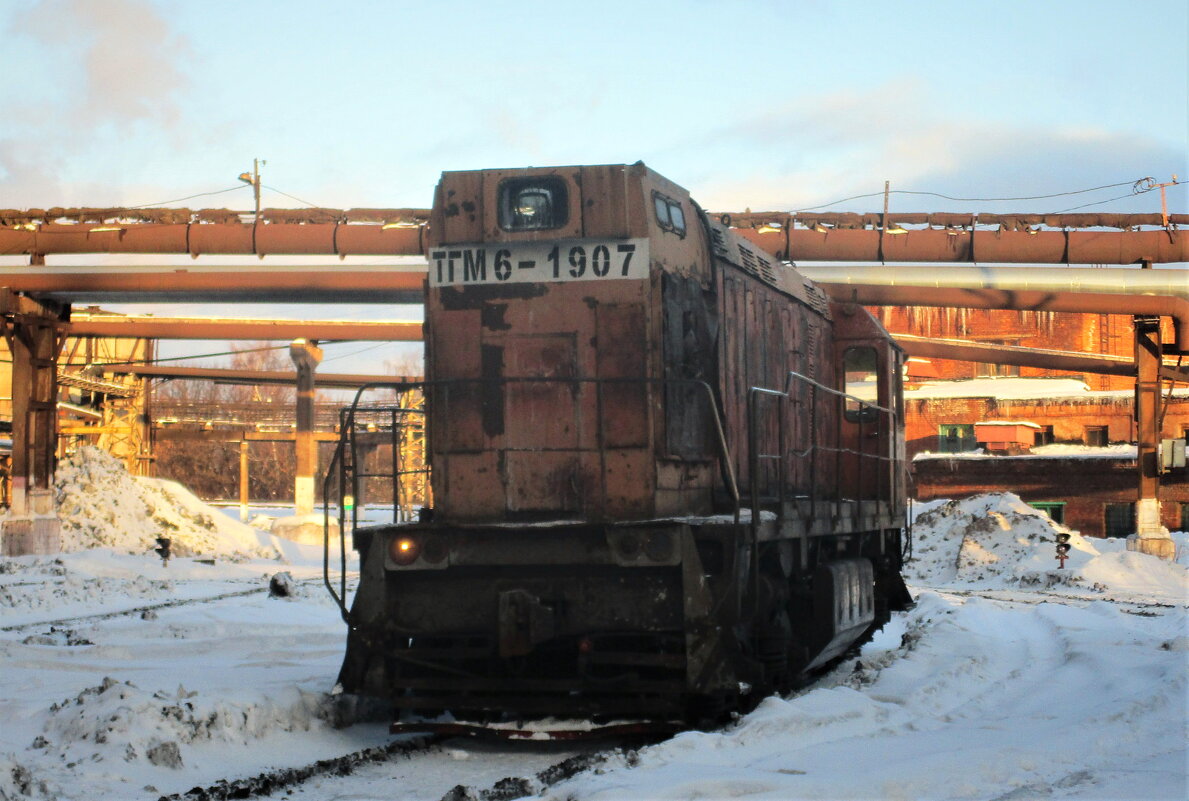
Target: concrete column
{"x":32,"y":525}
{"x":305,"y":526}
{"x":306,"y":356}
{"x":1150,"y":537}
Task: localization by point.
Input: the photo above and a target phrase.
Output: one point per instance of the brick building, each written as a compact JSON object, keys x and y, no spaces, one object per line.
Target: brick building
{"x":940,"y":415}
{"x":1109,"y":334}
{"x":1093,"y":492}
{"x":1080,"y":469}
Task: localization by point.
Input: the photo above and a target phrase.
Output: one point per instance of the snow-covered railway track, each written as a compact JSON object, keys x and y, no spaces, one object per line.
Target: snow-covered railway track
{"x":343,"y":771}
{"x":66,"y":621}
{"x":266,"y":783}
{"x":1033,"y":597}
{"x":140,"y":610}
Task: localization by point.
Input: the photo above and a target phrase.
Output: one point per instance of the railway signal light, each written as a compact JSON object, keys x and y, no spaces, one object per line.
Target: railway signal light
{"x":1063,"y":547}
{"x":162,"y":550}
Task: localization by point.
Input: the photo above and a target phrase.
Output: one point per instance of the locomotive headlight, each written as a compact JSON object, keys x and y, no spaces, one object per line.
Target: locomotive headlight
{"x":404,"y":550}
{"x":533,"y":204}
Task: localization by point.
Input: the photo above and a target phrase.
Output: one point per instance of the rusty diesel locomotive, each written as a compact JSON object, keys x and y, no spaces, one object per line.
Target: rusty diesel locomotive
{"x":667,"y":471}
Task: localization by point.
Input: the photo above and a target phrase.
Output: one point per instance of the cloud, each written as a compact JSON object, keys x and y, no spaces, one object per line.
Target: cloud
{"x":114,"y":80}
{"x":825,"y":147}
{"x":129,"y":58}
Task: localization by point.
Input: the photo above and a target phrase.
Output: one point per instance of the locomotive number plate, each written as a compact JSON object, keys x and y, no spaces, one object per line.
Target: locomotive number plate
{"x":530,"y":262}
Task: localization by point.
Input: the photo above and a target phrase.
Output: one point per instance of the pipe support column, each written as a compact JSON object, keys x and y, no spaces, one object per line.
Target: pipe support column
{"x":306,"y":356}
{"x":31,"y":525}
{"x":1150,"y":536}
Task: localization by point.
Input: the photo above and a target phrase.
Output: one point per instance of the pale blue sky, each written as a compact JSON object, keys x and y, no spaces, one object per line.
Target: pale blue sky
{"x":760,"y":104}
{"x":767,"y":105}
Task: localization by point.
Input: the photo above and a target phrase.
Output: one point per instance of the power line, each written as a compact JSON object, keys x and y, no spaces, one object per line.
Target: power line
{"x":1110,"y":200}
{"x":188,"y":197}
{"x":292,"y":197}
{"x":998,"y":199}
{"x":196,"y":356}
{"x":223,"y":353}
{"x":356,"y":352}
{"x":979,"y":199}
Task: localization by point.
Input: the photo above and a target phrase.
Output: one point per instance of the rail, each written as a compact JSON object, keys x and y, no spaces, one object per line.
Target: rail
{"x":864,"y":411}
{"x":345,"y":449}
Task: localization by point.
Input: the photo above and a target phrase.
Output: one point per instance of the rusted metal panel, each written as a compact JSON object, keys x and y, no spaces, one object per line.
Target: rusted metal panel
{"x":542,"y":481}
{"x":604,"y":202}
{"x":457,"y":424}
{"x":629,"y":475}
{"x":472,"y":482}
{"x":624,"y":407}
{"x":683,"y":486}
{"x":541,"y":416}
{"x":458,"y":214}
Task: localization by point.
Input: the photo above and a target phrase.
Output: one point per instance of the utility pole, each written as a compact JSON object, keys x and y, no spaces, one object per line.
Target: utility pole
{"x":253,"y":179}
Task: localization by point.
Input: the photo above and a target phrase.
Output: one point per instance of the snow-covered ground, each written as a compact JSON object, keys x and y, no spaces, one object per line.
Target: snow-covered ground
{"x":1010,"y":679}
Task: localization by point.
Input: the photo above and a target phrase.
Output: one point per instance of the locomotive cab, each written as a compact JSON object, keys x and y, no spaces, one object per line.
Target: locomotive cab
{"x":638,"y":445}
{"x":546,"y":346}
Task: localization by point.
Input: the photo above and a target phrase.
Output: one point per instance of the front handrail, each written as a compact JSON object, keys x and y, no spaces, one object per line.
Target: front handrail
{"x":337,"y":460}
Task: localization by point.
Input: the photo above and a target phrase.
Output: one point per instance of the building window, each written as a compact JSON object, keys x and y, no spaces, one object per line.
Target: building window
{"x":1096,"y":436}
{"x":1185,"y":517}
{"x":1045,"y":436}
{"x":956,"y":438}
{"x":1119,"y":519}
{"x":1054,"y":509}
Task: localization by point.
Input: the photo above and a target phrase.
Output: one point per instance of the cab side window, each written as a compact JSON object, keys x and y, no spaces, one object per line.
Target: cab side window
{"x":669,"y":215}
{"x":860,"y":368}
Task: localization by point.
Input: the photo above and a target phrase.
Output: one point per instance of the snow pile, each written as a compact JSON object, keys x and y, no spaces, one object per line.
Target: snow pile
{"x":996,"y":541}
{"x":118,"y":720}
{"x":102,"y":506}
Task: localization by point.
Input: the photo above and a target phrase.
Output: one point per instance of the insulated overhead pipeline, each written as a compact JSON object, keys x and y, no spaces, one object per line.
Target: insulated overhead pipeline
{"x":1148,"y":293}
{"x":1016,"y":238}
{"x":197,"y":239}
{"x":804,"y":237}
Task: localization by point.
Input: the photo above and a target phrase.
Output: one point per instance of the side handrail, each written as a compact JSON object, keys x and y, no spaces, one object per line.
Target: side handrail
{"x":814,"y":445}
